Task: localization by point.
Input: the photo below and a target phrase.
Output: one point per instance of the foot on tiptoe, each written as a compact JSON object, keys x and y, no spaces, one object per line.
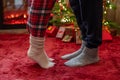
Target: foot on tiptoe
{"x":51,"y":59}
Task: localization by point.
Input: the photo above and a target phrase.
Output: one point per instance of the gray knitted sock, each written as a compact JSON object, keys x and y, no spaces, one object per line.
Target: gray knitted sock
{"x":74,"y":54}
{"x":88,"y":56}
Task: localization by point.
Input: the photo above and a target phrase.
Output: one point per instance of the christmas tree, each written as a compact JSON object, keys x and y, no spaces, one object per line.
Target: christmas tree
{"x":112,"y":27}
{"x":62,"y":13}
{"x":107,"y":5}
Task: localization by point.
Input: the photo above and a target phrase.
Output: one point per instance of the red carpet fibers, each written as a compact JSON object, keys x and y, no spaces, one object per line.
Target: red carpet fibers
{"x":15,"y":65}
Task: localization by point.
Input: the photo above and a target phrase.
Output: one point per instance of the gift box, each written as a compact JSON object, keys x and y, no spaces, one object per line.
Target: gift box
{"x":70,"y":31}
{"x":113,"y":32}
{"x":106,"y":35}
{"x":51,"y":31}
{"x":78,"y":36}
{"x":69,"y":34}
{"x":60,"y":32}
{"x":67,"y":38}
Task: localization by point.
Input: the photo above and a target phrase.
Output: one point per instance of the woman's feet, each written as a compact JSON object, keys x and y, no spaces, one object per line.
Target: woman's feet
{"x":36,"y":52}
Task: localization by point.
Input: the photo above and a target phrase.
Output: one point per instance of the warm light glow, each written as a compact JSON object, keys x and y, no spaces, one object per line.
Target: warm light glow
{"x":105,"y":12}
{"x":16,"y":15}
{"x":25,"y":16}
{"x":12,"y":16}
{"x":110,"y":7}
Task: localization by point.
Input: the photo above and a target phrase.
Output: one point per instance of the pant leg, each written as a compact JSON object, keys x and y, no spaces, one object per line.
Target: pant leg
{"x":89,"y":17}
{"x":39,"y":14}
{"x":76,"y":7}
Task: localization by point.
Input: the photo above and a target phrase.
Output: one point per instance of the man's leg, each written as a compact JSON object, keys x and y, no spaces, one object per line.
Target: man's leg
{"x":75,"y":5}
{"x":39,"y":15}
{"x":91,"y":28}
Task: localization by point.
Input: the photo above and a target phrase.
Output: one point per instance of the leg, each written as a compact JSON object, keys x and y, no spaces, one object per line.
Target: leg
{"x":89,"y":18}
{"x":39,"y":15}
{"x":91,"y":28}
{"x":77,"y":11}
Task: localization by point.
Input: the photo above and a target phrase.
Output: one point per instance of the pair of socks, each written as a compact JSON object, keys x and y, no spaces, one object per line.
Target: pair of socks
{"x":82,"y":57}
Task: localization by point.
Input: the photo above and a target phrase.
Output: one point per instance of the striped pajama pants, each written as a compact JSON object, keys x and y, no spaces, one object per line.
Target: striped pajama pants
{"x":39,"y":14}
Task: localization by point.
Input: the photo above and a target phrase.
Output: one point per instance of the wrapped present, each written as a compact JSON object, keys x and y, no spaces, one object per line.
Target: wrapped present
{"x":60,"y":32}
{"x":67,"y":38}
{"x":113,"y":32}
{"x":51,"y":31}
{"x":69,"y":34}
{"x":70,"y":31}
{"x":78,"y":36}
{"x":106,"y":35}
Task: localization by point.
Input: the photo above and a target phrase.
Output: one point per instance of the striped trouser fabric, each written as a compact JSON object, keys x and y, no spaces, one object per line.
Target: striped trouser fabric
{"x":38,"y":16}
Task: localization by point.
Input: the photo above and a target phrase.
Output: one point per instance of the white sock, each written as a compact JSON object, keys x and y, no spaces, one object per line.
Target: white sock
{"x":36,"y":52}
{"x":50,"y":59}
